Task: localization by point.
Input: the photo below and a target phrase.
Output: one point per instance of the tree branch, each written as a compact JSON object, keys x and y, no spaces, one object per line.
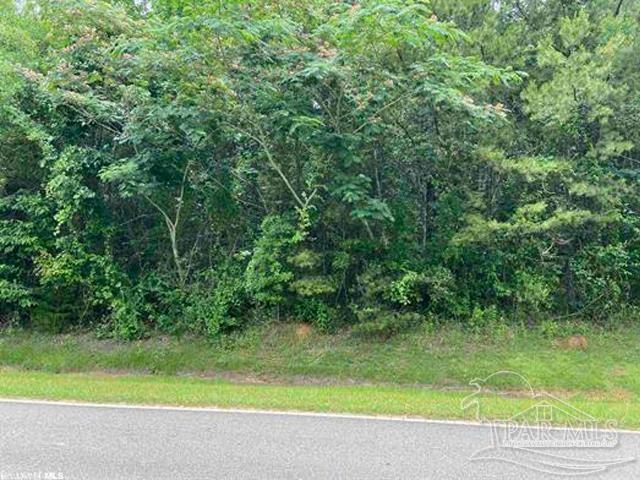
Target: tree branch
{"x":276,"y":167}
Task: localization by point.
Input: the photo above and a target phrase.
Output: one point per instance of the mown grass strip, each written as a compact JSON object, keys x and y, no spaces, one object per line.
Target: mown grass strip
{"x":357,"y":399}
{"x":451,"y":357}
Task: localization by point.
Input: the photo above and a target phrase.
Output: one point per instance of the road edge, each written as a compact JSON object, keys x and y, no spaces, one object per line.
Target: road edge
{"x":253,"y":411}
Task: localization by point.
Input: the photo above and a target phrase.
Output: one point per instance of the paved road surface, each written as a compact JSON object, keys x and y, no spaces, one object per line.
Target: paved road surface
{"x":40,"y":441}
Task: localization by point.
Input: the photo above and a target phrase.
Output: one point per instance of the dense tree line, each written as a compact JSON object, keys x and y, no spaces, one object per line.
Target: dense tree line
{"x":195,"y":165}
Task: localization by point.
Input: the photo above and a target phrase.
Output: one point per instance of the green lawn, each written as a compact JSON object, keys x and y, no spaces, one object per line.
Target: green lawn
{"x":358,"y":399}
{"x":420,"y":374}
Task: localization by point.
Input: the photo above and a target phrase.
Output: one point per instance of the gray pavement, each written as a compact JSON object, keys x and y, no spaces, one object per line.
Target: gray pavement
{"x":48,"y":441}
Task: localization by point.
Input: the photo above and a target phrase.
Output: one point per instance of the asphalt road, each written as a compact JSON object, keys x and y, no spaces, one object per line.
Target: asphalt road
{"x":47,"y":441}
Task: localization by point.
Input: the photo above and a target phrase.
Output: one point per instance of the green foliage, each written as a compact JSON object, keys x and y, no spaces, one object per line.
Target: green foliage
{"x":485,"y":319}
{"x":267,"y":274}
{"x":218,"y":305}
{"x":125,"y":321}
{"x":317,"y":313}
{"x":384,"y":323}
{"x":464,"y":161}
{"x":533,"y":292}
{"x":14,"y":294}
{"x":406,"y":290}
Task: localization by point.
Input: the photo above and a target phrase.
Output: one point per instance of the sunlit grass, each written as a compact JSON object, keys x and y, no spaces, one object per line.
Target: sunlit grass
{"x":419,"y":374}
{"x":358,"y":399}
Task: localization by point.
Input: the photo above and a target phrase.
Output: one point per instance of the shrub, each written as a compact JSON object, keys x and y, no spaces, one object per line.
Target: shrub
{"x":385,"y":323}
{"x":125,"y":321}
{"x":268,"y":275}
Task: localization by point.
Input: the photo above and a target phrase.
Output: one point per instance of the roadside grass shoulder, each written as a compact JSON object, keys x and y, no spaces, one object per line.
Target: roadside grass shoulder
{"x":418,"y":374}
